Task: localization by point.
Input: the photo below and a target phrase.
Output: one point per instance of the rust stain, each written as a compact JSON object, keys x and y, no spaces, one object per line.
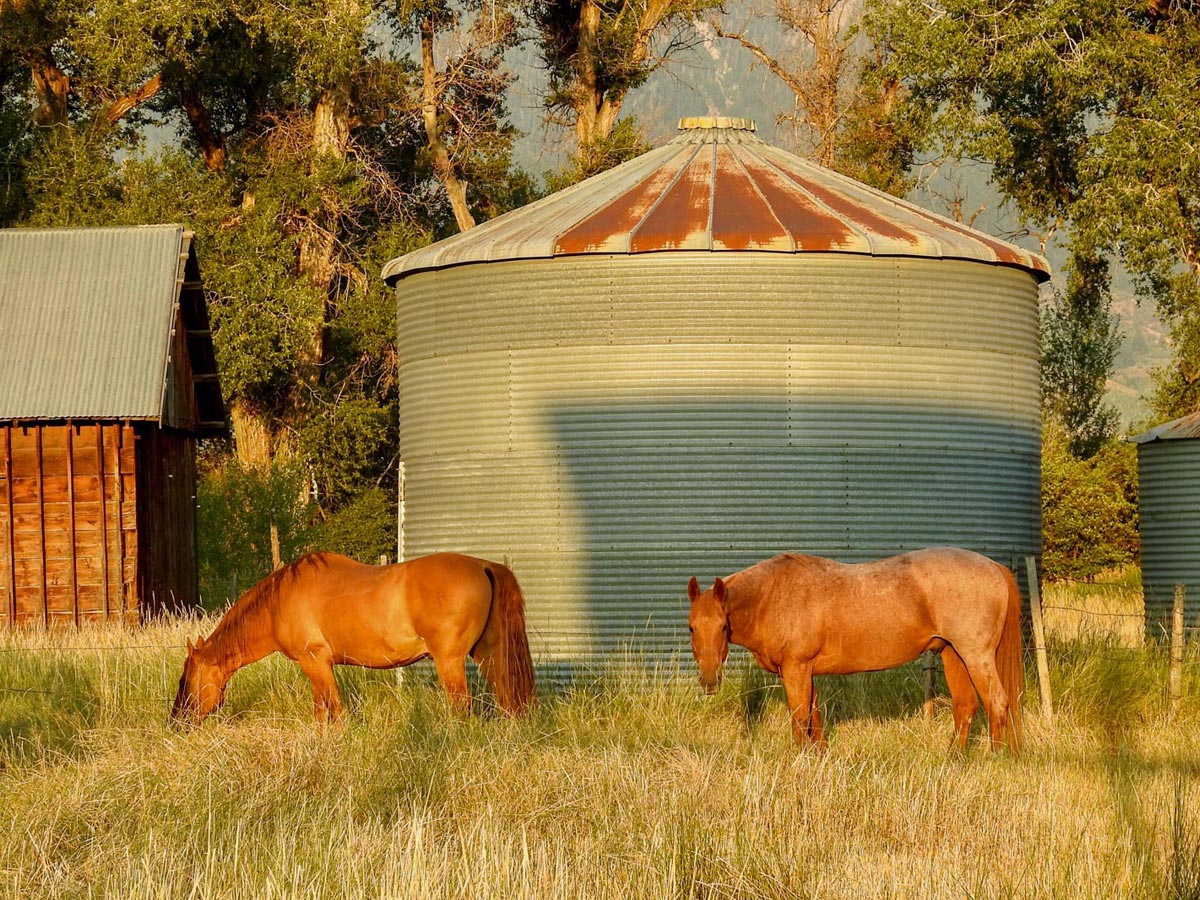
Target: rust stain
{"x":1004,"y":252}
{"x":741,"y":218}
{"x":680,"y":221}
{"x":810,"y":226}
{"x":870,"y":221}
{"x":608,"y":228}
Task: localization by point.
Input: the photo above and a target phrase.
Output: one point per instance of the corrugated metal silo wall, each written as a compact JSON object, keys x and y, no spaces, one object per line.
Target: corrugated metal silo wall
{"x":1169,"y":506}
{"x":614,"y":425}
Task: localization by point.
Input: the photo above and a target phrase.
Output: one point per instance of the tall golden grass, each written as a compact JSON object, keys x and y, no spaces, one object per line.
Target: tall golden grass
{"x":625,"y":785}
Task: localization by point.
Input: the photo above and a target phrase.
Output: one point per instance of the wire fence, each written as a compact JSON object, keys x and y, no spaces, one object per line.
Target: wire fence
{"x":1080,"y":621}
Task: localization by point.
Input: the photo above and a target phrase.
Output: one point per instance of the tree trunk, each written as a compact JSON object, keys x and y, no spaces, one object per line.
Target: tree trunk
{"x":53,"y":87}
{"x":120,"y":108}
{"x":456,"y":188}
{"x":251,"y":435}
{"x":212,"y":146}
{"x":318,"y":242}
{"x":588,"y":95}
{"x":826,"y":109}
{"x":331,"y":122}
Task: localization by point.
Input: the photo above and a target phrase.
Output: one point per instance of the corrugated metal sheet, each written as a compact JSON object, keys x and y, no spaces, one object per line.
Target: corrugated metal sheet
{"x":1183,"y":428}
{"x":718,"y":189}
{"x":85,"y":320}
{"x":615,"y":424}
{"x":1169,"y":506}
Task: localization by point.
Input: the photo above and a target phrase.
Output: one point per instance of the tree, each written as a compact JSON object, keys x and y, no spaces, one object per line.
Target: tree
{"x":596,"y":52}
{"x":1079,"y":344}
{"x":300,"y":164}
{"x":847,"y":106}
{"x":1087,"y":112}
{"x":461,"y":103}
{"x":1089,"y":508}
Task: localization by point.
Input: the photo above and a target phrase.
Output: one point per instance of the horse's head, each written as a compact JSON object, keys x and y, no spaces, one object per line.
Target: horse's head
{"x":708,"y":622}
{"x":201,"y":686}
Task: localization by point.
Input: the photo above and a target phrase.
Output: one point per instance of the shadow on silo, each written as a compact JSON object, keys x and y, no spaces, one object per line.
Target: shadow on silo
{"x":667,"y":489}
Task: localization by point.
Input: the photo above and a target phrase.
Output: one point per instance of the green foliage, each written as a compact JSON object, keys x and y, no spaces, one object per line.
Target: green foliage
{"x":365,"y":528}
{"x":621,"y":29}
{"x":1089,"y":508}
{"x":347,"y":445}
{"x":1086,"y":110}
{"x":595,"y":53}
{"x":878,"y":137}
{"x":236,"y":508}
{"x":1080,"y":340}
{"x":625,"y":143}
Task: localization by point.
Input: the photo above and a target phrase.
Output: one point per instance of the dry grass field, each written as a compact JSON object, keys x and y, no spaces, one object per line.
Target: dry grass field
{"x":622,"y":786}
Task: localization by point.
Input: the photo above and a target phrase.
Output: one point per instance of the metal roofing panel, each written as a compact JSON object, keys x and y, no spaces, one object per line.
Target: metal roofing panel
{"x":86,"y":319}
{"x":719,"y":188}
{"x":682,"y":218}
{"x":1183,"y":428}
{"x":742,"y":219}
{"x":610,"y":228}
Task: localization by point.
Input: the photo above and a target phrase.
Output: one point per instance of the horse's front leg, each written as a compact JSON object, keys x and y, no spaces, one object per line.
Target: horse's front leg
{"x":317,"y":663}
{"x":801,"y":697}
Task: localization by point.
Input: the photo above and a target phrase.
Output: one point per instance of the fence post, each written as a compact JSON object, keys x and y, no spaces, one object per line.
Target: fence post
{"x":1039,"y":636}
{"x":276,"y":557}
{"x":1175,"y":685}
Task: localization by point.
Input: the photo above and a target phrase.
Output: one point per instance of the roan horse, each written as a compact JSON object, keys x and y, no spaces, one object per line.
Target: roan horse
{"x":324,"y":610}
{"x":803,"y":616}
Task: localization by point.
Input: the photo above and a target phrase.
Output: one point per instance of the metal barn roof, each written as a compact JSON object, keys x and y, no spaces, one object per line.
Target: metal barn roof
{"x":88,"y":327}
{"x":717,"y":187}
{"x":1182,"y":428}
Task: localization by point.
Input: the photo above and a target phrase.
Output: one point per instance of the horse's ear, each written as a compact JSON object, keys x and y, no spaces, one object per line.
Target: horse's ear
{"x":693,"y":589}
{"x":718,"y":590}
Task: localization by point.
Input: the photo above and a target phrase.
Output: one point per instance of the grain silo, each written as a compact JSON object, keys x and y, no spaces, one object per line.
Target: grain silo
{"x":1169,"y":513}
{"x":710,"y":354}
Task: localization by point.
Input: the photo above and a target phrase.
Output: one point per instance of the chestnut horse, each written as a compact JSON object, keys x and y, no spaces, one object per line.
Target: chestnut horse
{"x":803,"y":616}
{"x":325,"y":609}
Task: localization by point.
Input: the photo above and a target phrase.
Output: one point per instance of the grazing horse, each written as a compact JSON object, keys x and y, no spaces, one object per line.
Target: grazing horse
{"x":325,"y":609}
{"x":803,"y":616}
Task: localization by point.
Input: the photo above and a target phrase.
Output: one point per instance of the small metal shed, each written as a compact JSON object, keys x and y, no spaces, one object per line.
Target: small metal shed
{"x":107,"y":379}
{"x":713,"y":353}
{"x":1169,"y":512}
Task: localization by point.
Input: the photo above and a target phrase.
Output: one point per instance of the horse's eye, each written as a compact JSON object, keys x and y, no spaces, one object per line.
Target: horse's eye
{"x":691,"y":630}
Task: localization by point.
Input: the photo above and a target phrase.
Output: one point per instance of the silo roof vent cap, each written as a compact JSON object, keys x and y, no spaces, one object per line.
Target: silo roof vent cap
{"x":729,"y":122}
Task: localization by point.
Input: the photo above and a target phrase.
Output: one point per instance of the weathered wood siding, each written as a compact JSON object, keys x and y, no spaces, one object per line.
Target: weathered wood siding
{"x":168,"y":569}
{"x":68,"y":523}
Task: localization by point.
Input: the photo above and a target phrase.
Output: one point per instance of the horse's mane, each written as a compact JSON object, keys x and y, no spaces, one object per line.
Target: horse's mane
{"x":245,"y":620}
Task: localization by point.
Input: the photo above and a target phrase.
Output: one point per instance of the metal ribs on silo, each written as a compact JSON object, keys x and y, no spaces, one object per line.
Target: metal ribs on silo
{"x":616,"y":424}
{"x":1169,"y":512}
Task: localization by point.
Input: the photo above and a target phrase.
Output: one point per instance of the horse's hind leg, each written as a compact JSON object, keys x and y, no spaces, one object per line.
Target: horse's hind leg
{"x":452,"y":673}
{"x":816,"y":730}
{"x":995,"y":700}
{"x":317,"y":664}
{"x":962,"y":694}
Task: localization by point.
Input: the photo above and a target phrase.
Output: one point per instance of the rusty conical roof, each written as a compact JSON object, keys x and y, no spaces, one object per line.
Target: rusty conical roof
{"x":717,"y":187}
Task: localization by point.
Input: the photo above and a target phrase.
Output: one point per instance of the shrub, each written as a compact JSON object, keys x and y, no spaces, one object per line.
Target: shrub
{"x":1089,"y":509}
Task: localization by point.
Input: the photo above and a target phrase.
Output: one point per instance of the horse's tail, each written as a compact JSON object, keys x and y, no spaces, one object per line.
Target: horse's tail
{"x":503,"y":648}
{"x":1009,"y":660}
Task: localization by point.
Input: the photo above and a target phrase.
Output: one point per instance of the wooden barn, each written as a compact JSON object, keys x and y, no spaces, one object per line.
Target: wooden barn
{"x":107,"y":379}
